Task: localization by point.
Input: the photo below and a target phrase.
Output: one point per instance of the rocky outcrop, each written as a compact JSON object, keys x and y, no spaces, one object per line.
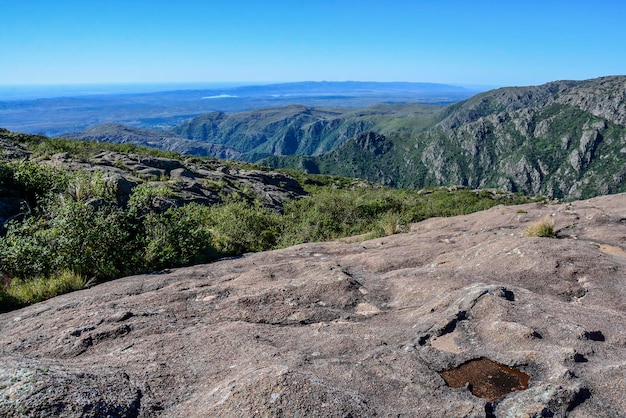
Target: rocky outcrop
{"x":161,"y":139}
{"x":518,"y":326}
{"x":191,"y":180}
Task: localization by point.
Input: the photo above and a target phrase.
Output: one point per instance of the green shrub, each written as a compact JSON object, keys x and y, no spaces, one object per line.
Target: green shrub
{"x":68,"y":235}
{"x":31,"y":181}
{"x":178,"y":237}
{"x":147,"y":198}
{"x":26,"y":250}
{"x":240,"y":227}
{"x":83,"y":186}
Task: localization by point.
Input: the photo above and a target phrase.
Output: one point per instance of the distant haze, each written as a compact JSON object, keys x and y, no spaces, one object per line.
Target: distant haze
{"x":37,"y":91}
{"x":53,"y":110}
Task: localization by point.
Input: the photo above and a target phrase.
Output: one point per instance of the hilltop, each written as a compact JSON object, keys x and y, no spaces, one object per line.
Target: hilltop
{"x":369,"y":328}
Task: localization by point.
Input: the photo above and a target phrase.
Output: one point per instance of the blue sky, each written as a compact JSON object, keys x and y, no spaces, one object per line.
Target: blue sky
{"x":493,"y":43}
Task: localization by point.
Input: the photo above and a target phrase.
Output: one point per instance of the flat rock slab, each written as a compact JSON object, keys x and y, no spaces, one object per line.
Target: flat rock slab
{"x":345,"y":329}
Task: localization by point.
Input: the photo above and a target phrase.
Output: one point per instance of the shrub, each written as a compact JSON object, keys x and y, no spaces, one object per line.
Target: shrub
{"x":68,"y":235}
{"x":148,"y":198}
{"x":178,"y":237}
{"x":391,"y":223}
{"x":32,"y":181}
{"x":240,"y":227}
{"x":542,"y":228}
{"x":83,"y":186}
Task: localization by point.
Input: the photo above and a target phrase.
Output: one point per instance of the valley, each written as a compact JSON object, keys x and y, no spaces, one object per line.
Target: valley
{"x":565,"y":139}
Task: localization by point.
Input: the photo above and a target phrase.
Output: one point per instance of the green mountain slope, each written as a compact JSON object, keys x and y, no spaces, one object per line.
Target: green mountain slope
{"x":303,"y":130}
{"x":153,"y":138}
{"x":565,"y":139}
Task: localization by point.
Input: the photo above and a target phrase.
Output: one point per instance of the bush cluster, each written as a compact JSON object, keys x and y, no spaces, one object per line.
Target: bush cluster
{"x":76,"y":234}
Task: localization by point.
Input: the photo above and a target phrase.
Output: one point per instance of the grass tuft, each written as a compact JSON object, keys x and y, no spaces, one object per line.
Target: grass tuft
{"x":543,"y":228}
{"x":24,"y":292}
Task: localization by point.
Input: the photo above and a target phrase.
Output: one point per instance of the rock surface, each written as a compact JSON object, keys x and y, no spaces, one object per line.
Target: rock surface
{"x":191,"y":180}
{"x":344,"y":329}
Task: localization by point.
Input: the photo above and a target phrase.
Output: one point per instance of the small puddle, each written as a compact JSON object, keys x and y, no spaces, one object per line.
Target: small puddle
{"x":487,"y":379}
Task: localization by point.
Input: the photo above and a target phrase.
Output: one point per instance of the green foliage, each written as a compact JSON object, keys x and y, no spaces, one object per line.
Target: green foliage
{"x":67,"y":235}
{"x":83,"y":186}
{"x":23,"y":292}
{"x":332,"y":214}
{"x":147,"y":197}
{"x":240,"y":227}
{"x":178,"y":237}
{"x":31,"y":181}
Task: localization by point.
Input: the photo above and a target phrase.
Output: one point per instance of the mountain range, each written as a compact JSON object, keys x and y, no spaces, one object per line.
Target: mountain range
{"x":164,"y":109}
{"x":564,"y":139}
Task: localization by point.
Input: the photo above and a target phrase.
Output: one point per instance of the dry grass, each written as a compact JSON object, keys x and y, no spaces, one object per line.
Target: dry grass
{"x":391,"y":223}
{"x":543,"y":228}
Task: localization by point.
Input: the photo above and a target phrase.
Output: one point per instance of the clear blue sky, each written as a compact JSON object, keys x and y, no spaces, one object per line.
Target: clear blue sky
{"x":463,"y":42}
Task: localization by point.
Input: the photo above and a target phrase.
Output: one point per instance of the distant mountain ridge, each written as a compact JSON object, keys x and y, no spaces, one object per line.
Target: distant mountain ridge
{"x":166,"y":109}
{"x":565,"y":139}
{"x":298,"y":129}
{"x":165,"y":140}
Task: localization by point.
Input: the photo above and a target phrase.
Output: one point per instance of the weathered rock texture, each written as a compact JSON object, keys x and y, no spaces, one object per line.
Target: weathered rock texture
{"x":344,"y":329}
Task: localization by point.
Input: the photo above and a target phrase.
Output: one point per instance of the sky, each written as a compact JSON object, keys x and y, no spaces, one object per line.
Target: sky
{"x":464,"y":42}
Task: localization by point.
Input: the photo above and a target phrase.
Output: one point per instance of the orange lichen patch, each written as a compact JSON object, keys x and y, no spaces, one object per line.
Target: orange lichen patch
{"x":487,"y":379}
{"x":610,"y":249}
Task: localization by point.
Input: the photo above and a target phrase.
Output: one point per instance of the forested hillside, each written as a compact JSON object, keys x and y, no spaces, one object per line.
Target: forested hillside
{"x":562,"y":139}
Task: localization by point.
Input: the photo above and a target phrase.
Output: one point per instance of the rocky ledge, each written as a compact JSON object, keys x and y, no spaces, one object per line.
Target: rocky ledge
{"x":461,"y":317}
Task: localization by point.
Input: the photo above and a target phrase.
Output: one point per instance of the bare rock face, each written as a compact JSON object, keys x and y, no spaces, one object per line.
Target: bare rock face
{"x":373,"y":328}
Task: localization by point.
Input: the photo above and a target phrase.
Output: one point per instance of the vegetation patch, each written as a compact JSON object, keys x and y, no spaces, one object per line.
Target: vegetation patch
{"x":74,"y":231}
{"x":543,"y":228}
